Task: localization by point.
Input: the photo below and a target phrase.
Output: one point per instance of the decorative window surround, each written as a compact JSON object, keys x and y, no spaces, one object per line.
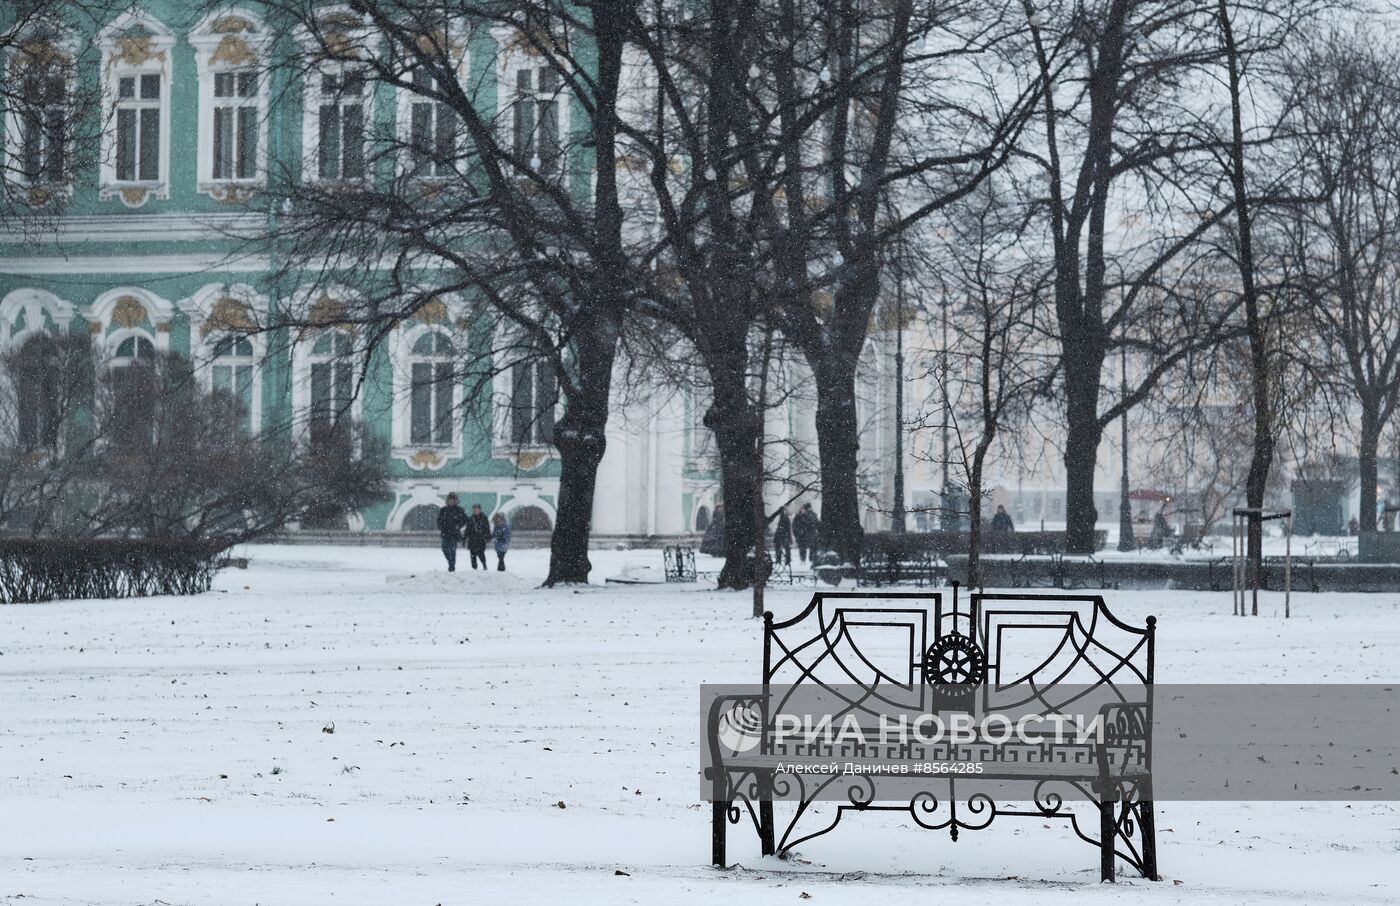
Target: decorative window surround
{"x":317,"y":346}
{"x":522,"y":439}
{"x":533,"y":103}
{"x":136,"y":63}
{"x":218,"y":314}
{"x":40,"y":140}
{"x":446,"y":317}
{"x":120,"y":312}
{"x":337,"y":99}
{"x":42,"y":311}
{"x":424,"y":123}
{"x":233,"y":96}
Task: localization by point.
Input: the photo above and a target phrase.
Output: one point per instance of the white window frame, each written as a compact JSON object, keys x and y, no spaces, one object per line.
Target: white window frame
{"x":506,"y":355}
{"x":230,"y":42}
{"x":199,"y":308}
{"x":61,"y":46}
{"x":303,"y":359}
{"x":514,"y":54}
{"x":407,"y":100}
{"x":334,"y":20}
{"x":403,"y":358}
{"x":447,"y":314}
{"x":127,"y":53}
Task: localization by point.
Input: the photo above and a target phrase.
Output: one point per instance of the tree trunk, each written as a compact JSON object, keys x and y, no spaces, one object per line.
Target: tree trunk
{"x":735,"y":428}
{"x":1083,"y":433}
{"x":838,"y":447}
{"x":1367,"y":455}
{"x":974,"y":531}
{"x":581,"y":439}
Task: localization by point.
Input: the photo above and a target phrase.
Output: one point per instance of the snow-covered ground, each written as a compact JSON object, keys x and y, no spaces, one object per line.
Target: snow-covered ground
{"x":350,"y":725}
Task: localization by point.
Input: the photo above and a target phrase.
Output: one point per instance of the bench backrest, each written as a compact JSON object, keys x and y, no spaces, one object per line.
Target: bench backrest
{"x":1035,"y":652}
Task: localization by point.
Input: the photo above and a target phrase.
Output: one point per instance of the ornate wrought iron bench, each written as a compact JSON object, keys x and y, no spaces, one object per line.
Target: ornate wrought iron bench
{"x":866,"y":653}
{"x":883,"y":568}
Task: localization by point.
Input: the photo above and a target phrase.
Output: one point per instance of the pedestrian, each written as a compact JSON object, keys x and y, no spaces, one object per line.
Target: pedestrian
{"x":713,"y":541}
{"x":478,"y":532}
{"x":500,"y":531}
{"x":1001,"y":522}
{"x":450,"y":520}
{"x":806,"y":527}
{"x":1354,"y":526}
{"x":782,"y":539}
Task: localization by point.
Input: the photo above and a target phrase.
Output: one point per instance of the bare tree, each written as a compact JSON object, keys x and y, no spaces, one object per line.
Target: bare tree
{"x":995,"y":350}
{"x":1346,"y":246}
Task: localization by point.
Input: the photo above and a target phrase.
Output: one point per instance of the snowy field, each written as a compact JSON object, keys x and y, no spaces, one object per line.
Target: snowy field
{"x":350,"y":725}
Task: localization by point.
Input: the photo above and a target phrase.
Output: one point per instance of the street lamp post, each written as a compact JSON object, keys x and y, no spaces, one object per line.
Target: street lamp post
{"x":898,"y":519}
{"x":1126,"y":541}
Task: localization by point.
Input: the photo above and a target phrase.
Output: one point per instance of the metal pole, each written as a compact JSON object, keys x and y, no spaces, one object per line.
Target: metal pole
{"x":1126,"y":542}
{"x":944,"y":518}
{"x":1236,"y":575}
{"x":898,"y":520}
{"x":1287,"y":562}
{"x":1256,"y":564}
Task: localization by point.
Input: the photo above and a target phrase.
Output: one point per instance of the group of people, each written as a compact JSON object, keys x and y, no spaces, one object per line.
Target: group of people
{"x":805,"y":528}
{"x":475,"y":530}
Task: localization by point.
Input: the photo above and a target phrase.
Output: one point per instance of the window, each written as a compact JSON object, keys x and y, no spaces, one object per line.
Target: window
{"x":532,"y":398}
{"x":232,"y":378}
{"x":432,"y":130}
{"x":42,"y":113}
{"x":536,"y":119}
{"x":235,"y":125}
{"x":230,"y":46}
{"x":341,"y":103}
{"x":135,"y":72}
{"x":332,"y":387}
{"x":138,"y":128}
{"x":133,"y":392}
{"x":431,"y":390}
{"x":37,"y":390}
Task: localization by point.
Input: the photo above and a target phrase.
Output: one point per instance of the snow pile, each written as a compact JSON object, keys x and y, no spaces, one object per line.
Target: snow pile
{"x":463,"y":581}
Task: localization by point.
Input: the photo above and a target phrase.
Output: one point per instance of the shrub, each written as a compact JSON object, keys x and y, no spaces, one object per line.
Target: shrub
{"x":47,"y":569}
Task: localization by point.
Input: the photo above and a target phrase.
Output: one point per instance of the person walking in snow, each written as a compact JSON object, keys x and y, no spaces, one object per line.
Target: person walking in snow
{"x":713,"y":541}
{"x":478,"y":532}
{"x":1001,"y":522}
{"x":806,"y":526}
{"x":500,"y":531}
{"x":450,"y":520}
{"x":782,"y":539}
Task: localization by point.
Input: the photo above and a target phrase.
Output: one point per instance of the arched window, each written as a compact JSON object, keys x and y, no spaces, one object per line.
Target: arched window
{"x":530,"y":519}
{"x":37,"y":390}
{"x":430,"y":394}
{"x":332,"y":385}
{"x":232,"y":377}
{"x":134,"y":392}
{"x":702,"y":519}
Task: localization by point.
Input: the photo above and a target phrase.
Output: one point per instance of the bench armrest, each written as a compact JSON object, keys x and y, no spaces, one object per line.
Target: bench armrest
{"x":724,"y":710}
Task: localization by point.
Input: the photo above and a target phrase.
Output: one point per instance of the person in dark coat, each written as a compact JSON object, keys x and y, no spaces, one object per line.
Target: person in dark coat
{"x":713,"y":542}
{"x":806,"y":527}
{"x":500,"y":531}
{"x":782,"y":539}
{"x":478,"y":532}
{"x":1001,"y":522}
{"x":450,"y":520}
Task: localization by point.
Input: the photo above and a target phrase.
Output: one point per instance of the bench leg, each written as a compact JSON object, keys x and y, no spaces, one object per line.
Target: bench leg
{"x":1147,"y":821}
{"x":1106,"y":837}
{"x":719,"y":818}
{"x":765,"y":814}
